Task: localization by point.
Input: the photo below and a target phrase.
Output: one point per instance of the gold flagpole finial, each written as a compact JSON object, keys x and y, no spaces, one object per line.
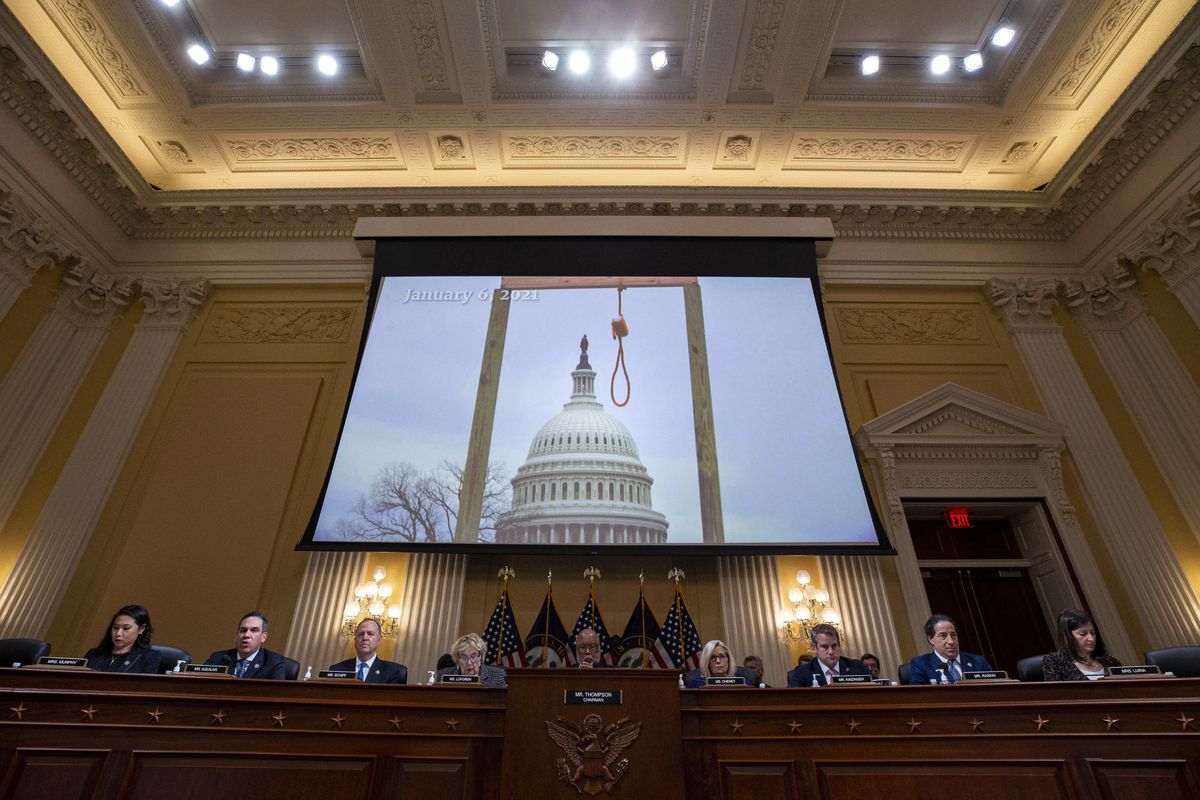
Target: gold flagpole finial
{"x":549,"y":577}
{"x":506,"y":572}
{"x":591,"y":573}
{"x":642,"y":578}
{"x":676,"y":574}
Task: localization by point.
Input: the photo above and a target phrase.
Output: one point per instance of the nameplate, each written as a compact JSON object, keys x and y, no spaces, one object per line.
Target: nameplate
{"x":592,"y":697}
{"x":730,"y":681}
{"x":1135,"y":671}
{"x":206,"y":669}
{"x":61,"y":661}
{"x":460,"y":679}
{"x":986,"y":675}
{"x":337,"y":674}
{"x":843,"y":679}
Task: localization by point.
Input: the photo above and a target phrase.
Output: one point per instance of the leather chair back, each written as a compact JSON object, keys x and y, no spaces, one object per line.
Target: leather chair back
{"x":171,"y":656}
{"x":293,"y":669}
{"x":1030,"y":669}
{"x":1183,"y":661}
{"x":904,"y":671}
{"x":22,"y":651}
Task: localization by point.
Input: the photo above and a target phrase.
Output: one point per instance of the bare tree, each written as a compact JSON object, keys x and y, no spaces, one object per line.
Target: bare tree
{"x":407,"y":505}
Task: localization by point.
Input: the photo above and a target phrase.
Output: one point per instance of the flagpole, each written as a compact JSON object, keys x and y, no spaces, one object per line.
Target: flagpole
{"x":677,"y":573}
{"x":505,"y":573}
{"x":642,"y":617}
{"x":546,"y":618}
{"x":591,"y":573}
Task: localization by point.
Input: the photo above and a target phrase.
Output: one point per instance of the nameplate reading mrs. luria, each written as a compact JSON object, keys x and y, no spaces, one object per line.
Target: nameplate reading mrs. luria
{"x":592,"y":697}
{"x":460,"y":679}
{"x":61,"y":661}
{"x":206,"y":669}
{"x":852,"y":679}
{"x":730,"y":681}
{"x":337,"y":674}
{"x":1135,"y":671}
{"x":986,"y":675}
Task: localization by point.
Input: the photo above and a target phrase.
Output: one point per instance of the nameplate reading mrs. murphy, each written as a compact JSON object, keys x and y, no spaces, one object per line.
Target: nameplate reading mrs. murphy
{"x":592,"y":697}
{"x":61,"y":661}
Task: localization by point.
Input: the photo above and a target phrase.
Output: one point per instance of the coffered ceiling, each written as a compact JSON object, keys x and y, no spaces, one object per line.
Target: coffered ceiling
{"x":448,"y":94}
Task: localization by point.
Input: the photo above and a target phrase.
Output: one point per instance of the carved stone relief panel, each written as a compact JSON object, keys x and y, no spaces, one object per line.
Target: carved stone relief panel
{"x":881,"y":325}
{"x":590,"y":149}
{"x":269,"y":152}
{"x":260,"y":324}
{"x":1022,"y":154}
{"x":1109,"y":30}
{"x":101,"y":50}
{"x":451,"y":150}
{"x":737,"y":150}
{"x":937,"y":154}
{"x":172,"y":154}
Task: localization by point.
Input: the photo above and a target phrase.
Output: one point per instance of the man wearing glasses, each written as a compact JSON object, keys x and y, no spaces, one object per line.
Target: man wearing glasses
{"x":587,"y":649}
{"x":365,"y":665}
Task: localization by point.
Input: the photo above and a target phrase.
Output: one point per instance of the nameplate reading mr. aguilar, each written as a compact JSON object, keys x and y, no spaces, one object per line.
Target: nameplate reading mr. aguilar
{"x":62,"y":661}
{"x":590,"y":697}
{"x":460,"y":679}
{"x":206,"y":669}
{"x":986,"y":675}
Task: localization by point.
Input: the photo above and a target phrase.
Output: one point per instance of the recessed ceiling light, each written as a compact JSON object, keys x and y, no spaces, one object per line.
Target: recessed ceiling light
{"x":170,"y":3}
{"x":327,"y":65}
{"x":622,"y":62}
{"x":198,"y":53}
{"x":1003,"y":36}
{"x":269,"y":65}
{"x":245,"y":62}
{"x":550,"y":60}
{"x":939,"y":64}
{"x":579,"y":62}
{"x":658,"y":60}
{"x":870,"y":65}
{"x":973,"y":62}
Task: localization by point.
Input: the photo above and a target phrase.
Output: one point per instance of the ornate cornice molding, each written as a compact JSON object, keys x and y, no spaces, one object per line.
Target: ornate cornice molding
{"x":92,"y":297}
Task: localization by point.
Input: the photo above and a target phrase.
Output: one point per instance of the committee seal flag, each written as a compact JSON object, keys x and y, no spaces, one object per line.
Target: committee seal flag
{"x":591,"y":761}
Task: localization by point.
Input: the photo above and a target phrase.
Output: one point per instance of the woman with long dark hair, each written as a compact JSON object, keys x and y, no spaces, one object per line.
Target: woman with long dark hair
{"x":126,"y":645}
{"x":1081,"y":653}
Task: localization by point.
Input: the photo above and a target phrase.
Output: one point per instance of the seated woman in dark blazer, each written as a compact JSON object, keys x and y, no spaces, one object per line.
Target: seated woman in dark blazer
{"x":717,"y":661}
{"x":468,"y":652}
{"x":126,"y":645}
{"x":1081,"y":654}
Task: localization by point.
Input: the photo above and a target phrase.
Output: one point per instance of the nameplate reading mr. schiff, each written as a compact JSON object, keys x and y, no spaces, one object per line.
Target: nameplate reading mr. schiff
{"x":460,"y":679}
{"x":337,"y":674}
{"x":206,"y":669}
{"x":592,"y":697}
{"x":61,"y":661}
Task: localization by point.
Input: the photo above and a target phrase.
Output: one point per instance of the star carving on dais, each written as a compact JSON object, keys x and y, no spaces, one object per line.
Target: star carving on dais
{"x":975,"y":724}
{"x":913,"y":725}
{"x":1183,"y":719}
{"x":89,"y":713}
{"x":396,"y":721}
{"x":338,"y":720}
{"x":794,"y":727}
{"x":218,"y":718}
{"x":853,"y":725}
{"x":1042,"y":724}
{"x":279,"y":718}
{"x":452,"y":724}
{"x":20,"y":708}
{"x":737,"y":726}
{"x":1111,"y":722}
{"x":155,"y":714}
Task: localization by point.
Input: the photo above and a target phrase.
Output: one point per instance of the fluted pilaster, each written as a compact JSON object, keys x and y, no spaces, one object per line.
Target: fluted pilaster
{"x":431,"y":605}
{"x":35,"y":393}
{"x":1153,"y":383}
{"x":329,"y":581}
{"x":750,"y":604}
{"x":857,"y":591}
{"x":1166,"y":604}
{"x":30,"y":596}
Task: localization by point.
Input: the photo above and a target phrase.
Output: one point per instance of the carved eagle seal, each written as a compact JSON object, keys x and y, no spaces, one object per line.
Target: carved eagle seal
{"x":591,"y":761}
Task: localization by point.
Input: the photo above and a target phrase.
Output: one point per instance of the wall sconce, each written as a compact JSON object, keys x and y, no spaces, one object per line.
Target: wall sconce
{"x":370,"y":601}
{"x":810,"y":607}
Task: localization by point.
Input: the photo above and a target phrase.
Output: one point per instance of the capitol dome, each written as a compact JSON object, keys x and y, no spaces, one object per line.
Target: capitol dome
{"x":582,"y":481}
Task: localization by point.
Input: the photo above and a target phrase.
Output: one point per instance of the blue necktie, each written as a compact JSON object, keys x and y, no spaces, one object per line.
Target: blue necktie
{"x":362,"y":671}
{"x":240,"y":670}
{"x":952,"y":673}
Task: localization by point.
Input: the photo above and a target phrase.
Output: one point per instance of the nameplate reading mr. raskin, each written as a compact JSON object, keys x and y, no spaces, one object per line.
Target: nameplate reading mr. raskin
{"x":587,"y":697}
{"x":337,"y":674}
{"x":986,"y":675}
{"x":460,"y":679}
{"x":62,"y":661}
{"x":1134,"y":669}
{"x":206,"y":669}
{"x":853,"y":679}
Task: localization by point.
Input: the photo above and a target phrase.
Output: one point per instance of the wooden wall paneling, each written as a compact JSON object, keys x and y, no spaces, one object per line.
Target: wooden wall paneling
{"x":949,"y":776}
{"x":423,"y":778}
{"x":757,"y":780}
{"x":33,"y":773}
{"x":181,"y":776}
{"x":1146,"y":779}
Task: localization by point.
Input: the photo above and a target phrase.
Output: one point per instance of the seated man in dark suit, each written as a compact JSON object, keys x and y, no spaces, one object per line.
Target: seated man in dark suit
{"x":365,"y":664}
{"x":830,"y":662}
{"x":249,"y":659}
{"x":945,"y":660}
{"x":587,"y":649}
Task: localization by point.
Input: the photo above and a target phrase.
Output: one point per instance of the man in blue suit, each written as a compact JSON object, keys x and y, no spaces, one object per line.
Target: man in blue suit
{"x":366,"y":666}
{"x":829,"y":661}
{"x":249,"y":659}
{"x":945,"y":660}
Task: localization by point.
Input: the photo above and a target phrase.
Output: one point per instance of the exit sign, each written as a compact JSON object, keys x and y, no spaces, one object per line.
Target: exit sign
{"x":958,"y":518}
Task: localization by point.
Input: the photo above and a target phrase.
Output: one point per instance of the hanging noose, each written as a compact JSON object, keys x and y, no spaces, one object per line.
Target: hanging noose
{"x":620,"y":329}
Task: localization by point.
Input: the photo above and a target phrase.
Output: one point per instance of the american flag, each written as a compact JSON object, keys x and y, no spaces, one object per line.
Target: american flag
{"x":642,"y":640}
{"x":590,"y":617}
{"x":679,"y":637}
{"x":504,"y":645}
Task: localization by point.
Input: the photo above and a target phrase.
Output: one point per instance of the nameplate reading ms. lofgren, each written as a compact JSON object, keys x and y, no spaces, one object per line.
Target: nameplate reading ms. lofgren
{"x":206,"y":669}
{"x":460,"y":679}
{"x":588,"y":697}
{"x":61,"y":661}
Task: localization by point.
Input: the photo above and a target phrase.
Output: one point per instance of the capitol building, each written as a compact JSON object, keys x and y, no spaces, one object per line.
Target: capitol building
{"x":582,"y":482}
